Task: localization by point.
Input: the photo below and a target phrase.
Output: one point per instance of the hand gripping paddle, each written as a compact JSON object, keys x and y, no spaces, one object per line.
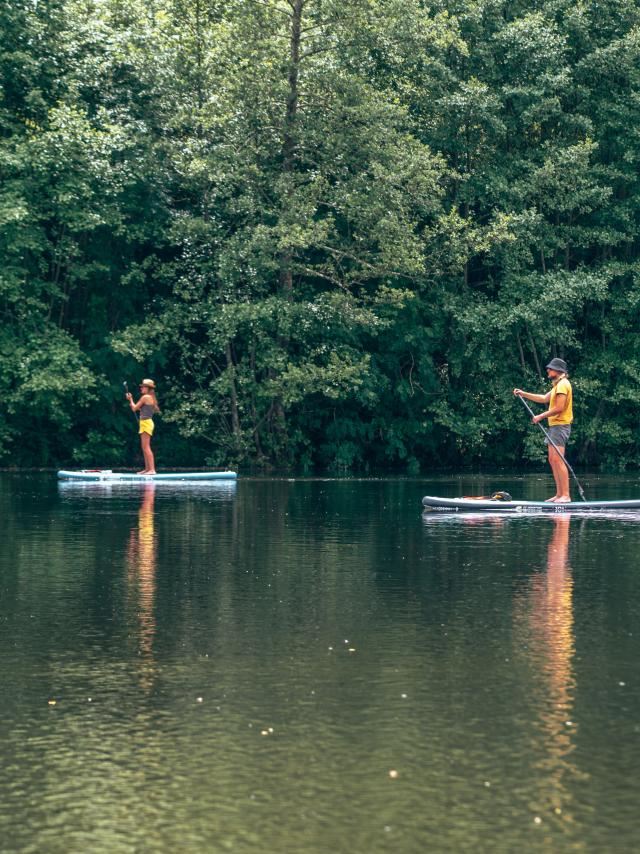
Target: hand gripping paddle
{"x":126,"y":391}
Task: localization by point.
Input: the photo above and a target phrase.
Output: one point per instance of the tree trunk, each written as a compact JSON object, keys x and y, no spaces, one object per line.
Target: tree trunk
{"x":285,"y":260}
{"x":534,"y":350}
{"x":521,"y":352}
{"x":289,"y":135}
{"x":235,"y":420}
{"x":199,"y":65}
{"x":254,"y":414}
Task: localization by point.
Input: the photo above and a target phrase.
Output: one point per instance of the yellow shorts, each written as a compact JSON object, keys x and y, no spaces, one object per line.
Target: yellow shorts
{"x":146,"y":426}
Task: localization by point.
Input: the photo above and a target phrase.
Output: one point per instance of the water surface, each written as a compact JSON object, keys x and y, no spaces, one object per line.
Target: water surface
{"x":313,"y":666}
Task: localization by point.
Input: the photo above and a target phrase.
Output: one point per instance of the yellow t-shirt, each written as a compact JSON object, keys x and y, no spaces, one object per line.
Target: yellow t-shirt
{"x":563,"y":386}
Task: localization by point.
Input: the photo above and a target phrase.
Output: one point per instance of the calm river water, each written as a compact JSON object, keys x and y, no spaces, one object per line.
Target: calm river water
{"x":313,"y":666}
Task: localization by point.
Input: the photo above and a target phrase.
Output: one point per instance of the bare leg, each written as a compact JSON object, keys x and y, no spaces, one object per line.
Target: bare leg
{"x":553,"y":462}
{"x":560,"y":474}
{"x":142,"y":443}
{"x":563,"y":476}
{"x":149,"y":462}
{"x":143,"y":470}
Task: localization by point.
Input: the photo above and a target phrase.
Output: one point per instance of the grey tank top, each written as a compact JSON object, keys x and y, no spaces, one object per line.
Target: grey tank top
{"x":146,"y":411}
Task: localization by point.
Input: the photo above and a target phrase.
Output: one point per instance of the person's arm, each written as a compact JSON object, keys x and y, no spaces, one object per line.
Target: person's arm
{"x":536,"y":398}
{"x":146,"y":398}
{"x":561,"y":400}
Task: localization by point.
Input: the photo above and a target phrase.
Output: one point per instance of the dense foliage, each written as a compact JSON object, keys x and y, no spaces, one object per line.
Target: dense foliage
{"x":336,"y":232}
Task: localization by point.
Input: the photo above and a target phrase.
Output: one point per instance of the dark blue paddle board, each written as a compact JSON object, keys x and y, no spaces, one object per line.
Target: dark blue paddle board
{"x":453,"y":505}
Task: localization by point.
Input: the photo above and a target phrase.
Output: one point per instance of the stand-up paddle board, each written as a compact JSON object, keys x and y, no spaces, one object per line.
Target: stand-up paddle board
{"x":108,"y":476}
{"x":457,"y":505}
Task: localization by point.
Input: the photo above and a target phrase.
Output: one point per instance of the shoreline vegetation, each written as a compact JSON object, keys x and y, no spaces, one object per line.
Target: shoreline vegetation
{"x":337,"y":232}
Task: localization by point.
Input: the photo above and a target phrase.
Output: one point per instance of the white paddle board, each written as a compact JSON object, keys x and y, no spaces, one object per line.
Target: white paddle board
{"x":109,"y":476}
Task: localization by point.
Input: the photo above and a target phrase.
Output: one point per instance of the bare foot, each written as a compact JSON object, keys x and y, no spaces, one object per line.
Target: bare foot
{"x":554,"y":498}
{"x":563,"y":499}
{"x":144,"y":471}
{"x":151,"y":472}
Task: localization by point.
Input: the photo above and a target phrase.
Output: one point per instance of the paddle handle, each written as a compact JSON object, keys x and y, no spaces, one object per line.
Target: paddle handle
{"x":126,"y":392}
{"x":553,"y":444}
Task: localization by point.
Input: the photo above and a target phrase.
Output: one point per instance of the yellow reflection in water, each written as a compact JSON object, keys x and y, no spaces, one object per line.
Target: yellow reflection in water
{"x":544,"y":615}
{"x":141,"y":580}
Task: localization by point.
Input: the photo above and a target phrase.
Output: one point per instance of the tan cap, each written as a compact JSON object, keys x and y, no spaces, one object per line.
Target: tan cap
{"x":148,"y":383}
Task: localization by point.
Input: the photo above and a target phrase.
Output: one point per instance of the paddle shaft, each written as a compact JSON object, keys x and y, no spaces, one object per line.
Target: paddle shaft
{"x":556,"y":448}
{"x":126,"y":391}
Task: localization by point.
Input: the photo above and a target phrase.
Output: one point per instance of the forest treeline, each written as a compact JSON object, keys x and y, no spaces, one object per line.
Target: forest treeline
{"x":335,"y":232}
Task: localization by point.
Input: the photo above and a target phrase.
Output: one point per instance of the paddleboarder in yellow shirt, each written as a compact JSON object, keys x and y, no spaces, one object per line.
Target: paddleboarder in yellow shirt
{"x":560,"y":415}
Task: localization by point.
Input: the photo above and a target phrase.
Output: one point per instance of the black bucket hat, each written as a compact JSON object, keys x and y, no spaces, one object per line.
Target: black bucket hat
{"x":557,"y":365}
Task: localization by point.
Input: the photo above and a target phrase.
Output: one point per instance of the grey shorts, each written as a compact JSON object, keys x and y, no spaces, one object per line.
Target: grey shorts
{"x":559,"y":434}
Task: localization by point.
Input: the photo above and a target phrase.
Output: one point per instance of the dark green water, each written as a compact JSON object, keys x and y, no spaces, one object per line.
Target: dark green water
{"x":314,"y":667}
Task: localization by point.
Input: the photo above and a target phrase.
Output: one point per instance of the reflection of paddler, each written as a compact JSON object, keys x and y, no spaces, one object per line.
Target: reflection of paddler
{"x":552,"y":614}
{"x":142,"y":574}
{"x":547,"y":611}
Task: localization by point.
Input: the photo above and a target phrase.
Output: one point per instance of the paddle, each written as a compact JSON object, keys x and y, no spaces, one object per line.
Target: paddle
{"x":126,"y":391}
{"x":551,"y":442}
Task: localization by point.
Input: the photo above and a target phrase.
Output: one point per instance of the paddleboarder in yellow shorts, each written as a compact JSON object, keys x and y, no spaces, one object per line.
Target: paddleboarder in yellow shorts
{"x":560,"y":415}
{"x":147,"y":406}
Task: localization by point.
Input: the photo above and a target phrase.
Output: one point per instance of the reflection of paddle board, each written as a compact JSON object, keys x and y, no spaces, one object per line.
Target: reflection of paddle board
{"x":453,"y":505}
{"x":108,"y":476}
